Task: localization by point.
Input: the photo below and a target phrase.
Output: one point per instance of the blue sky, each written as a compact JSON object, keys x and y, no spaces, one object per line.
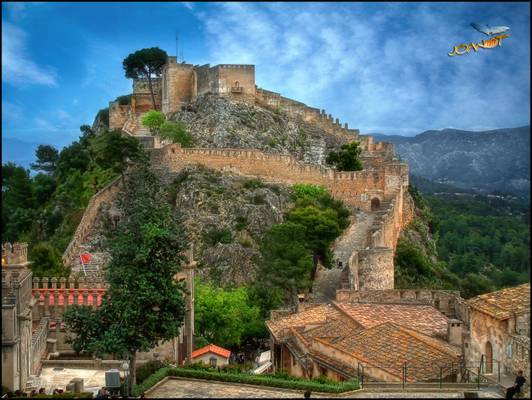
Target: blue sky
{"x":381,"y":67}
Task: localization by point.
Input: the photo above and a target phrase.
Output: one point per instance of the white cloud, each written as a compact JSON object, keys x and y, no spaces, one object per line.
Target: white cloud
{"x":18,"y":68}
{"x":384,"y":70}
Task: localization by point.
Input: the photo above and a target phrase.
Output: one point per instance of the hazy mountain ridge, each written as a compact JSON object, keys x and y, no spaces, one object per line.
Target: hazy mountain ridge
{"x":489,"y":160}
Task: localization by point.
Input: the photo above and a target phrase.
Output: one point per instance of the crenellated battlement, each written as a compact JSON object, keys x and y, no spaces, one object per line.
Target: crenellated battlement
{"x":16,"y":253}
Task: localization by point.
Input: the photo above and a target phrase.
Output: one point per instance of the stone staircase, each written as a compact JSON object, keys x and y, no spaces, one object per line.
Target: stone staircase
{"x":134,"y":127}
{"x":327,"y":281}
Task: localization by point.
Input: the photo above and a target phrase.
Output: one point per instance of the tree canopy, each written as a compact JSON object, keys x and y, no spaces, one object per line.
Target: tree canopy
{"x":347,"y":159}
{"x":47,"y":157}
{"x":153,"y":120}
{"x":177,"y":133}
{"x":145,"y":63}
{"x":225,"y":316}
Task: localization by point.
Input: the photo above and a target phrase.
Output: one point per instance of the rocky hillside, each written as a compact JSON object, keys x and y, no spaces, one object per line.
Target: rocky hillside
{"x":226,"y":217}
{"x":490,"y":160}
{"x":216,"y":122}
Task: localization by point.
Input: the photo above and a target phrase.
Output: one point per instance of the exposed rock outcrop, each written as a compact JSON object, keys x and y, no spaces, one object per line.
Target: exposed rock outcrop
{"x":216,"y":122}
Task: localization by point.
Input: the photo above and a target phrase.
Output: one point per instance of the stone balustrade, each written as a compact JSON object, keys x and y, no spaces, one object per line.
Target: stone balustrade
{"x":38,"y":343}
{"x":53,"y":296}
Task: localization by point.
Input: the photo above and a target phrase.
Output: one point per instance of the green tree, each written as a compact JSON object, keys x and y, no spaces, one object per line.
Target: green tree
{"x":224,"y":316}
{"x":111,"y":149}
{"x":47,"y":157}
{"x":286,"y":261}
{"x":145,"y":304}
{"x":44,"y":187}
{"x":145,"y":63}
{"x":347,"y":159}
{"x":321,"y":228}
{"x":153,"y":120}
{"x":46,"y":261}
{"x":177,"y":133}
{"x":74,"y":157}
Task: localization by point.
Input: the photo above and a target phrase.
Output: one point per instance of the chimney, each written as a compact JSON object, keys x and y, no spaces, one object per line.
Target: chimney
{"x":454,"y":332}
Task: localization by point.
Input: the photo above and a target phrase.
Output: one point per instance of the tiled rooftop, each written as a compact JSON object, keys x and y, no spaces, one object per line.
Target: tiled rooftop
{"x":503,"y":303}
{"x":315,"y":314}
{"x":423,"y":318}
{"x":211,"y":348}
{"x":388,"y":346}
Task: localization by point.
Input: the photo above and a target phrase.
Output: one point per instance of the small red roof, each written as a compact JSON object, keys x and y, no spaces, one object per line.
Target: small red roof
{"x":212,"y":348}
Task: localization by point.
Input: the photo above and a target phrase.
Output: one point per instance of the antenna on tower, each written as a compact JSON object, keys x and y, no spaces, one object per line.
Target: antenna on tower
{"x":182,"y":57}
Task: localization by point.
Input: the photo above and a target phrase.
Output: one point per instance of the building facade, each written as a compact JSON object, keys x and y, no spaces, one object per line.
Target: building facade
{"x":17,"y":319}
{"x":500,"y":331}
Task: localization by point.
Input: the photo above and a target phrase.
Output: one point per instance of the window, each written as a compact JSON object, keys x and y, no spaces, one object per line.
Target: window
{"x":236,"y":84}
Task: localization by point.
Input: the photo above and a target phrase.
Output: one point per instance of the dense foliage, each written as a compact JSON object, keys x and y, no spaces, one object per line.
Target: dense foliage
{"x":347,"y":159}
{"x":472,"y":243}
{"x":145,"y":304}
{"x":291,"y":251}
{"x":279,"y":380}
{"x":225,"y":317}
{"x":44,"y":210}
{"x":176,"y":132}
{"x":153,"y":120}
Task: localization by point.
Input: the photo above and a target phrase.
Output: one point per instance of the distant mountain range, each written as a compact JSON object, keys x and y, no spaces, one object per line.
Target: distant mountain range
{"x":496,"y":160}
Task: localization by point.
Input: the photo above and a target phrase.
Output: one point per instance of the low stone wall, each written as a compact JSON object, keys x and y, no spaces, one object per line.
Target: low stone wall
{"x":106,"y":195}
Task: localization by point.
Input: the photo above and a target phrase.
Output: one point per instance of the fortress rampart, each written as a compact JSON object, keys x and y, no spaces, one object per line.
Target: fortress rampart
{"x":105,"y":195}
{"x":357,"y":188}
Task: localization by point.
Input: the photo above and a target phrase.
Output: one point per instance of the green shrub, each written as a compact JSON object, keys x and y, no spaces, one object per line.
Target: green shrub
{"x":241,"y":223}
{"x":103,"y":114}
{"x":177,"y":133}
{"x":144,"y":371}
{"x":247,"y":378}
{"x":153,"y":120}
{"x":259,"y":198}
{"x":304,"y":190}
{"x":124,"y":100}
{"x":215,"y":236}
{"x":253,"y":184}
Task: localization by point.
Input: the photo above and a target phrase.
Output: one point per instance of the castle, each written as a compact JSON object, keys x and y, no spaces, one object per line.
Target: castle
{"x":317,"y":337}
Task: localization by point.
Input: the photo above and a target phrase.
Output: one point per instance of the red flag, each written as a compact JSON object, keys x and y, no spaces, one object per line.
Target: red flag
{"x":85,"y":258}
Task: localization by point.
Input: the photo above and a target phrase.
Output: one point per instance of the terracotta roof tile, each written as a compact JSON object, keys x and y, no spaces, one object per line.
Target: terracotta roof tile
{"x":211,"y":348}
{"x":388,"y":346}
{"x":503,"y":303}
{"x":313,"y":315}
{"x":423,"y":318}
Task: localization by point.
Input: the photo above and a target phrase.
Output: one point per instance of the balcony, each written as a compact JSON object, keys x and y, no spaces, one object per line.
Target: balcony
{"x":237,"y":89}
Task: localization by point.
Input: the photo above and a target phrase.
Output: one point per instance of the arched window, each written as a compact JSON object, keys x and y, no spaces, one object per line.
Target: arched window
{"x":236,"y":84}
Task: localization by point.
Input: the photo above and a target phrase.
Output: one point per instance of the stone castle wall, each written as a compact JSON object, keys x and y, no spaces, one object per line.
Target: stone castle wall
{"x":354,"y":188}
{"x":106,"y":195}
{"x":178,"y":85}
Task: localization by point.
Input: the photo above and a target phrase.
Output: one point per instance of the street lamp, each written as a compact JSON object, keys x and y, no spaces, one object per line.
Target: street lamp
{"x":125,"y":367}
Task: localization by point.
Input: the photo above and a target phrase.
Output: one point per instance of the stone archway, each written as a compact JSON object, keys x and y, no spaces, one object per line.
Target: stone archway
{"x":375,"y":204}
{"x":488,"y":358}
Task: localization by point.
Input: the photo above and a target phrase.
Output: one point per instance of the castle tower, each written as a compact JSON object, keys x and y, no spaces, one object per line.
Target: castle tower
{"x":178,"y":85}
